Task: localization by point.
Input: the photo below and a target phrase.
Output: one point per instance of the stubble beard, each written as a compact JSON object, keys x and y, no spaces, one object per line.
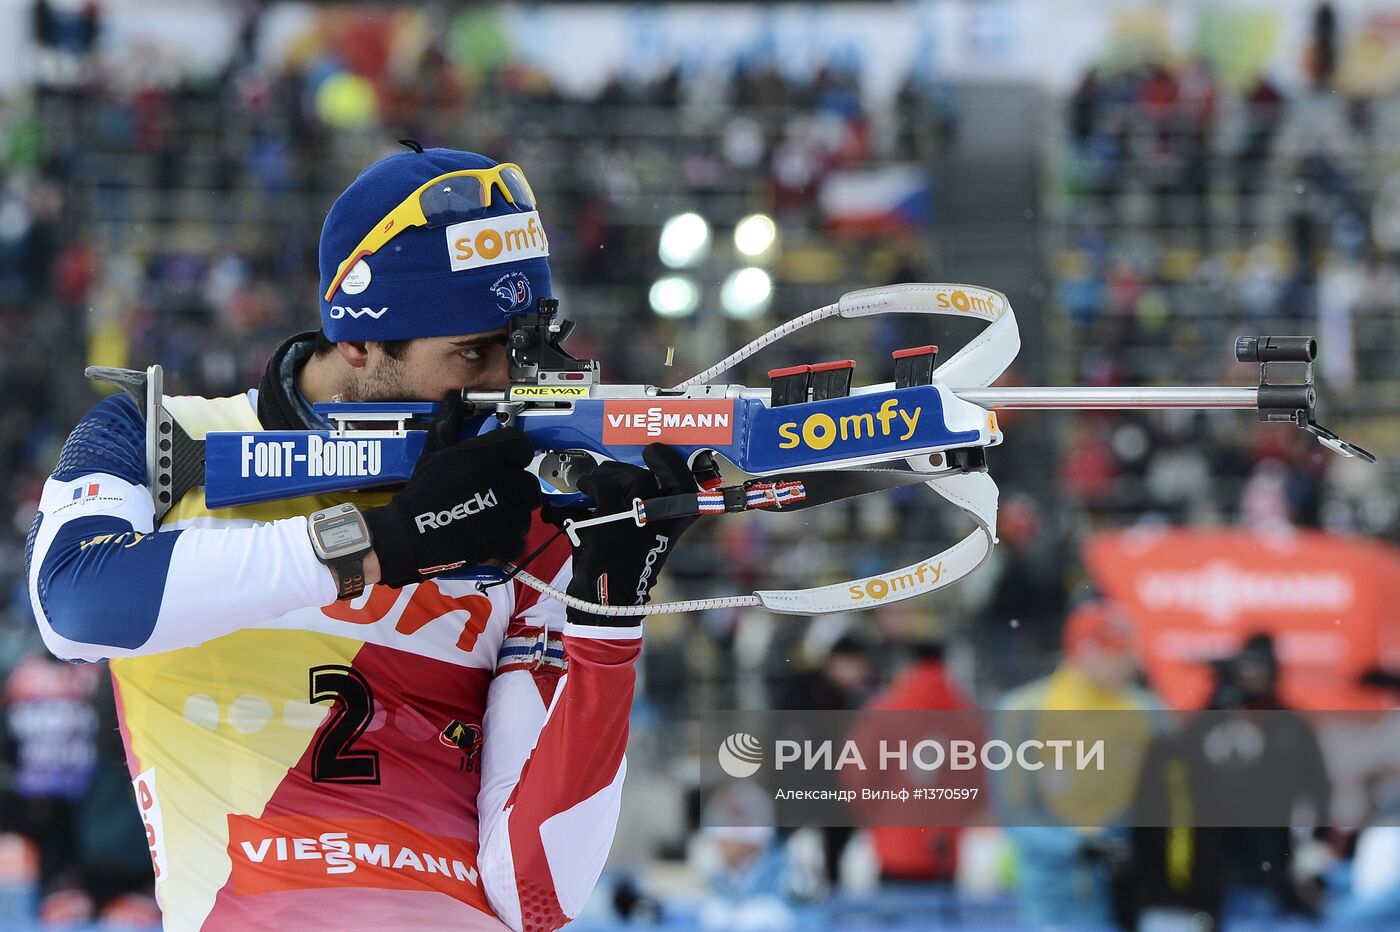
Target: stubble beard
{"x":386,"y":383}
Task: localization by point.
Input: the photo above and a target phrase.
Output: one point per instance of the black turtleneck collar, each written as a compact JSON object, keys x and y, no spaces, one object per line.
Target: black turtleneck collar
{"x":280,"y":403}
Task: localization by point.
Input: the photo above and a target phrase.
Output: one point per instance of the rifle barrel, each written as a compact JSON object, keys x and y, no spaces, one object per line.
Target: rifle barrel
{"x":1038,"y":397}
{"x":1072,"y":397}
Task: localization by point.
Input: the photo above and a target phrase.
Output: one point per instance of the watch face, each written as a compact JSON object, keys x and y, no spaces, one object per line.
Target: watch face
{"x":341,"y":534}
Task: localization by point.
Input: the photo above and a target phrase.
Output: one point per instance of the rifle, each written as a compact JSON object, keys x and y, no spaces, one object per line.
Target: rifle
{"x":808,"y":439}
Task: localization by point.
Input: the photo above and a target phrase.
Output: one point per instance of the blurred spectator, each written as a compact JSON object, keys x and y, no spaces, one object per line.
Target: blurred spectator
{"x":1072,"y":867}
{"x":112,"y":845}
{"x":915,"y":854}
{"x":1249,"y":679}
{"x":51,"y":732}
{"x":1385,"y":216}
{"x":1255,"y":858}
{"x":1322,"y":56}
{"x":1259,"y":282}
{"x":70,"y":794}
{"x":1341,"y":288}
{"x":751,"y":883}
{"x":1224,"y":769}
{"x":841,"y":684}
{"x":1019,"y":628}
{"x":1084,"y":107}
{"x":1364,"y":890}
{"x":1263,"y":112}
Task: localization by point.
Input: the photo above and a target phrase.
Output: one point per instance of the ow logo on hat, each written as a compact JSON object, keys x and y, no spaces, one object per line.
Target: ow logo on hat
{"x":340,"y":310}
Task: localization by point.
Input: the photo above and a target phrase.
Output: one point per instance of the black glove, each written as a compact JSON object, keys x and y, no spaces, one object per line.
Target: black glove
{"x":465,"y":504}
{"x":618,"y":563}
{"x":446,"y":428}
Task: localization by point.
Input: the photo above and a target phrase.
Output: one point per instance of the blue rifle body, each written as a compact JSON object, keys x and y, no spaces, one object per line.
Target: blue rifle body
{"x":244,"y":467}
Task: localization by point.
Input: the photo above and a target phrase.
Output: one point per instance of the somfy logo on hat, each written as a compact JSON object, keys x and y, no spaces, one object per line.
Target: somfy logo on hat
{"x":740,"y":755}
{"x":509,"y":238}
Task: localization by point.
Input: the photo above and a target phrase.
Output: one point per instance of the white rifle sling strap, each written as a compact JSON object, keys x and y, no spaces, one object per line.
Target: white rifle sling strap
{"x":975,"y":493}
{"x":976,"y":365}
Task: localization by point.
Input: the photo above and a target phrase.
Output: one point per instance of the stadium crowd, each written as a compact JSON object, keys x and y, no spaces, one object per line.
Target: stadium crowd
{"x":148,"y":217}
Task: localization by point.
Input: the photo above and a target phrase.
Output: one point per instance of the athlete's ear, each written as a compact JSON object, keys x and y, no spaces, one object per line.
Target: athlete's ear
{"x":356,"y":354}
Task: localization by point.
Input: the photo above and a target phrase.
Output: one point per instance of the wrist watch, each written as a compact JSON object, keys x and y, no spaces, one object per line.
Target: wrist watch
{"x":341,"y":538}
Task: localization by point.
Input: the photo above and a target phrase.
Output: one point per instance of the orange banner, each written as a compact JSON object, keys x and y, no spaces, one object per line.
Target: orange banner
{"x":1331,"y":603}
{"x":302,"y":852}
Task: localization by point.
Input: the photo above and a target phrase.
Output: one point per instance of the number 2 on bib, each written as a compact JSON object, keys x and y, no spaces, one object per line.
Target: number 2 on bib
{"x":332,"y":758}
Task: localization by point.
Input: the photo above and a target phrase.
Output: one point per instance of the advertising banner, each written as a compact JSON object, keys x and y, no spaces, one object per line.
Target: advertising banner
{"x":1330,"y":603}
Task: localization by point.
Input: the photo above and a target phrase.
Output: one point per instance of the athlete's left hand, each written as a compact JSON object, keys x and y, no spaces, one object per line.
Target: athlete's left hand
{"x":618,"y":563}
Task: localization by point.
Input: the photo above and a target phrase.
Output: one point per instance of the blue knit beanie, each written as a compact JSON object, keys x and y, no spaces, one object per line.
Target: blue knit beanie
{"x":464,"y":278}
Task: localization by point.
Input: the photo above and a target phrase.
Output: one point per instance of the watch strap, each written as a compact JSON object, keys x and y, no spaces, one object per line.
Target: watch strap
{"x":349,"y":577}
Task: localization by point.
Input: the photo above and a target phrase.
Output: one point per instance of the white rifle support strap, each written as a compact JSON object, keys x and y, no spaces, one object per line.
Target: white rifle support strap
{"x":975,"y":493}
{"x":976,"y":365}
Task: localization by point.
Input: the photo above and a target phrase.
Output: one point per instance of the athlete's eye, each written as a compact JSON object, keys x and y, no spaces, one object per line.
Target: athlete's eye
{"x":474,"y":351}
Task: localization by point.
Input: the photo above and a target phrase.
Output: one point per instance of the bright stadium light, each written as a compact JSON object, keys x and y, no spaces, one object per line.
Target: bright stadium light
{"x":746,"y":293}
{"x":685,"y":239}
{"x":755,"y":235}
{"x":674,"y":296}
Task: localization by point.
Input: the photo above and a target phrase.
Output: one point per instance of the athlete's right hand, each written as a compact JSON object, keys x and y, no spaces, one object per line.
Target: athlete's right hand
{"x":465,"y":504}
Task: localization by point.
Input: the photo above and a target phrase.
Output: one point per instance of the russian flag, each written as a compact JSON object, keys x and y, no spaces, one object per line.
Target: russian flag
{"x":882,"y":200}
{"x":86,"y":491}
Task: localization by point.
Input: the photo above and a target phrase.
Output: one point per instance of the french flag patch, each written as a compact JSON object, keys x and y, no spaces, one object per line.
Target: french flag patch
{"x":87,"y":490}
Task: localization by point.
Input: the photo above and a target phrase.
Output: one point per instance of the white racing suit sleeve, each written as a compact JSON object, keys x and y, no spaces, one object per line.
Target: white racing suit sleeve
{"x":103,"y":585}
{"x":553,"y":760}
